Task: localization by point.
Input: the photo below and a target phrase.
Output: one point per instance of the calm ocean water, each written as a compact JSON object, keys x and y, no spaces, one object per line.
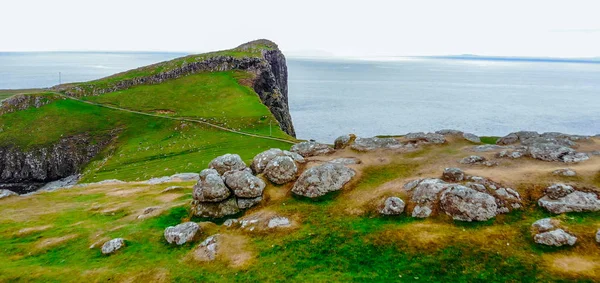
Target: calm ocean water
{"x":329,"y":98}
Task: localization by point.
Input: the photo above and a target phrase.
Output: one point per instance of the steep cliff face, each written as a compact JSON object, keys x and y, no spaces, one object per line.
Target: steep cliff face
{"x":23,"y":171}
{"x":269,"y":68}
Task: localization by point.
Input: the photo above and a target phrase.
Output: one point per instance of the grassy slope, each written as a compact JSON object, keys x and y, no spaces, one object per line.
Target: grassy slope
{"x":330,"y":245}
{"x":6,"y":93}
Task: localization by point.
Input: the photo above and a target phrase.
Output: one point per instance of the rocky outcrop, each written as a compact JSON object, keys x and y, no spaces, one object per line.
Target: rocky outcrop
{"x":561,"y":198}
{"x":311,"y":148}
{"x":269,"y":69}
{"x":343,"y":141}
{"x":556,"y":238}
{"x":466,"y":204}
{"x":25,"y":101}
{"x":26,"y":170}
{"x":547,"y":146}
{"x":368,"y":144}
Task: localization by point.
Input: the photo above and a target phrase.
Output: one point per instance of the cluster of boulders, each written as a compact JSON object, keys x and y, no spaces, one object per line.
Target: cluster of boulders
{"x":547,"y":232}
{"x":463,"y":197}
{"x":560,"y":198}
{"x":478,"y":160}
{"x":547,"y":146}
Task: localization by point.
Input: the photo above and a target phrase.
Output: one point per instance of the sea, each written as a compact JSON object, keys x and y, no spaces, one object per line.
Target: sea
{"x":329,"y":97}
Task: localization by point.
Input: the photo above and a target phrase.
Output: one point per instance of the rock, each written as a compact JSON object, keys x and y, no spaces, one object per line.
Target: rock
{"x":172,"y":189}
{"x":472,"y":138}
{"x":226,"y":163}
{"x":597,"y":152}
{"x":244,"y":184}
{"x":514,"y":154}
{"x":392,"y":206}
{"x":425,"y":196}
{"x":279,"y":221}
{"x":230,"y":222}
{"x":319,"y":180}
{"x":113,"y":246}
{"x":449,"y":132}
{"x":7,"y":193}
{"x":453,"y":175}
{"x":487,"y":147}
{"x":281,"y":169}
{"x":368,"y":144}
{"x":555,"y":238}
{"x":473,"y":159}
{"x":295,"y":156}
{"x":147,"y":211}
{"x":182,"y":233}
{"x":544,"y":225}
{"x":557,"y":191}
{"x":208,"y":249}
{"x":509,"y":139}
{"x":311,"y":148}
{"x":215,"y":209}
{"x":344,"y":141}
{"x":210,"y":187}
{"x":576,"y":201}
{"x":346,"y":161}
{"x":261,"y":160}
{"x":245,"y":203}
{"x":412,"y":184}
{"x":426,"y":137}
{"x":598,"y":236}
{"x":554,"y":152}
{"x":62,"y":183}
{"x":465,"y":204}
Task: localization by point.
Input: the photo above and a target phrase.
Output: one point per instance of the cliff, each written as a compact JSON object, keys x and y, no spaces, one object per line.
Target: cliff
{"x":262,"y":58}
{"x":23,"y":171}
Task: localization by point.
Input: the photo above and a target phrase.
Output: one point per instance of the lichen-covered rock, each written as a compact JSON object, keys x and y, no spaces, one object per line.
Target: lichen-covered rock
{"x":449,"y":132}
{"x":473,"y":159}
{"x":346,"y":161}
{"x":598,"y":236}
{"x":281,"y":169}
{"x":182,"y":233}
{"x":425,"y":196}
{"x":7,"y":193}
{"x":210,"y":187}
{"x":555,"y":152}
{"x":261,"y":160}
{"x":244,"y":184}
{"x":508,"y":139}
{"x":471,"y":137}
{"x":113,"y":245}
{"x":279,"y":221}
{"x":208,"y":249}
{"x":226,"y":163}
{"x":311,"y":148}
{"x":426,"y":137}
{"x":544,"y":225}
{"x":344,"y":141}
{"x":295,"y":156}
{"x":465,"y":204}
{"x":566,"y":172}
{"x":320,"y":180}
{"x":245,"y":203}
{"x":557,"y":191}
{"x":392,"y":206}
{"x":367,"y":144}
{"x":215,"y":209}
{"x":576,"y":201}
{"x":486,"y":148}
{"x":555,"y":238}
{"x":453,"y":175}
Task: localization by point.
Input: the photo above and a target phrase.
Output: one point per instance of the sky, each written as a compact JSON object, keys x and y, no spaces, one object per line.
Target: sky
{"x":342,"y":28}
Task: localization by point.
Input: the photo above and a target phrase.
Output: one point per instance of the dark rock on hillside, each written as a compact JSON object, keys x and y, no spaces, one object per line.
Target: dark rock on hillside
{"x":270,"y":80}
{"x":27,"y":170}
{"x":23,"y":101}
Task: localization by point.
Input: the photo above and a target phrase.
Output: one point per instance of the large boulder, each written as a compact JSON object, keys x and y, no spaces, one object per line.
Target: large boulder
{"x":465,"y":204}
{"x":576,"y":201}
{"x":281,"y":169}
{"x":210,"y":187}
{"x":226,"y":163}
{"x":367,"y":144}
{"x":425,"y":137}
{"x":555,"y":238}
{"x":245,"y":203}
{"x":425,"y":195}
{"x":182,"y":233}
{"x":320,"y":180}
{"x":557,"y":191}
{"x":343,"y":141}
{"x":392,"y":206}
{"x":260,"y":161}
{"x":244,"y":184}
{"x":113,"y":245}
{"x":311,"y":148}
{"x":508,"y":139}
{"x":215,"y":209}
{"x":555,"y":152}
{"x":544,"y":225}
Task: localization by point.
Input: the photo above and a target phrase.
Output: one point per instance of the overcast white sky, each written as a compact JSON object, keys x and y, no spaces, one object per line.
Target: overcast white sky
{"x":344,"y":28}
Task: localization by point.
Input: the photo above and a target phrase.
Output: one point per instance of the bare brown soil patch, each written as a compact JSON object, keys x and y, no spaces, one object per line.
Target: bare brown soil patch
{"x":30,"y":230}
{"x":575,"y":265}
{"x":52,"y":242}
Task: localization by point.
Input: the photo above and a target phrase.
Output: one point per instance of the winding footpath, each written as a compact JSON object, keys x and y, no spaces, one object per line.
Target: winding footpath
{"x":177,"y":118}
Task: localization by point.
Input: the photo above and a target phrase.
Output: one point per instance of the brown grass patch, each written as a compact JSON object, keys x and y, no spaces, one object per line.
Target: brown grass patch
{"x":47,"y":243}
{"x":574,"y":265}
{"x":29,"y":230}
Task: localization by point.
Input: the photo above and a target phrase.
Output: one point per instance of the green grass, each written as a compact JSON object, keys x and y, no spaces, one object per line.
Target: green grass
{"x":489,"y":140}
